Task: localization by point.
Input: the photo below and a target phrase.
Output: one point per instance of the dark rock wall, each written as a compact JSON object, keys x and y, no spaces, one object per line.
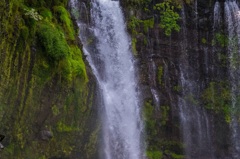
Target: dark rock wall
{"x":201,"y":57}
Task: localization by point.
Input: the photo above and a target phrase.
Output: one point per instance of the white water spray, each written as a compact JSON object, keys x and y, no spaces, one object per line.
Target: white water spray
{"x":113,"y":65}
{"x":232,"y":21}
{"x":195,"y":125}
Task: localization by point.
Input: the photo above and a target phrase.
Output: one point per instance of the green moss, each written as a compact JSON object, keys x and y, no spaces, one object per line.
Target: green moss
{"x":46,"y":14}
{"x":134,"y":49}
{"x":160,"y":74}
{"x":133,"y":25}
{"x":92,"y":142}
{"x":164,"y":114}
{"x":220,"y":39}
{"x":24,"y":33}
{"x":33,"y":92}
{"x":174,"y":155}
{"x":148,"y":116}
{"x":78,"y":66}
{"x":156,"y":124}
{"x":61,"y":127}
{"x":73,"y":66}
{"x":65,"y":19}
{"x":52,"y":41}
{"x":55,"y":110}
{"x":149,"y":23}
{"x":154,"y":154}
{"x":203,"y":40}
{"x":217,"y":97}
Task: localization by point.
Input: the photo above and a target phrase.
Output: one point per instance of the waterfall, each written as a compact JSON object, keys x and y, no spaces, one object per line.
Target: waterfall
{"x":153,"y":83}
{"x":232,"y":22}
{"x":194,"y":120}
{"x":107,"y":47}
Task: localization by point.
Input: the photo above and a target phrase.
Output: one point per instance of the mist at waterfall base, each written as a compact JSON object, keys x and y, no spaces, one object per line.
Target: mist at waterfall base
{"x":113,"y":65}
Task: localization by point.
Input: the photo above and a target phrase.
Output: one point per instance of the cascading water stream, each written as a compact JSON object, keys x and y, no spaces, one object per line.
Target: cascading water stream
{"x":153,"y":84}
{"x":232,"y":22}
{"x":194,"y":119}
{"x":107,"y":47}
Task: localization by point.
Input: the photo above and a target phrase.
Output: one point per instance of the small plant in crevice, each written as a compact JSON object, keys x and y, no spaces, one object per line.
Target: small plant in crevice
{"x":220,"y":39}
{"x":217,"y":97}
{"x":168,"y":16}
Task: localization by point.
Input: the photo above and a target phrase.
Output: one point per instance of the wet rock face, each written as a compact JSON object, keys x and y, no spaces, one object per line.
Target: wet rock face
{"x":190,"y":53}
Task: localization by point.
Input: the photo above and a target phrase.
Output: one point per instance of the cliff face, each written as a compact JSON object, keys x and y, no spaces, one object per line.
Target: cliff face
{"x":184,"y":76}
{"x":46,"y":91}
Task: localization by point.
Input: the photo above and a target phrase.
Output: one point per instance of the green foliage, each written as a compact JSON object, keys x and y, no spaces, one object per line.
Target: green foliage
{"x":133,"y":24}
{"x":174,"y":155}
{"x":149,"y":23}
{"x":148,"y":117}
{"x":220,"y":39}
{"x":52,"y":41}
{"x":217,"y":97}
{"x":168,"y":16}
{"x":160,"y":74}
{"x":164,"y":114}
{"x":65,"y":19}
{"x":155,"y":123}
{"x":61,"y":127}
{"x":154,"y":154}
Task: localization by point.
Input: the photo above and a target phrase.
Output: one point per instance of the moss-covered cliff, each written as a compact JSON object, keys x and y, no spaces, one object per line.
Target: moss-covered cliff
{"x":45,"y":88}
